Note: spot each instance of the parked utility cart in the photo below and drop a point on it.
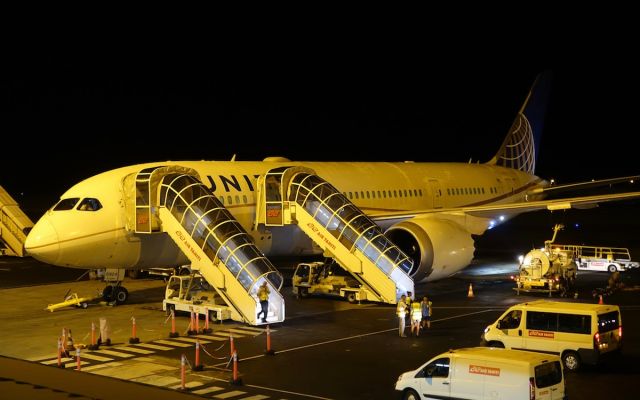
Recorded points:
(327, 278)
(192, 293)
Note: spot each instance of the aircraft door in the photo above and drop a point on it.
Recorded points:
(436, 193)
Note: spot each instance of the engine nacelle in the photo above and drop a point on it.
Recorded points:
(439, 248)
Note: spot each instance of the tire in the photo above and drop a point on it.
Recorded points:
(496, 344)
(184, 271)
(571, 361)
(213, 316)
(612, 268)
(410, 394)
(304, 292)
(121, 296)
(351, 297)
(170, 307)
(107, 293)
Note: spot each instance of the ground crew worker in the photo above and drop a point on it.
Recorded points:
(408, 301)
(263, 296)
(401, 310)
(416, 317)
(426, 312)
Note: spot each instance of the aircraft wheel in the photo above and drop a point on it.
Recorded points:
(122, 294)
(107, 293)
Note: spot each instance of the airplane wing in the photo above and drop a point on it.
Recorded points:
(551, 190)
(491, 210)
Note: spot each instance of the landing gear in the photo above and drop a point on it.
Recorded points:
(115, 293)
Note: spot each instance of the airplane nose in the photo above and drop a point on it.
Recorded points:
(42, 242)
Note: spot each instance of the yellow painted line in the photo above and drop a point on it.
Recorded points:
(191, 340)
(172, 343)
(74, 364)
(55, 361)
(94, 357)
(226, 334)
(208, 390)
(114, 353)
(245, 332)
(107, 365)
(163, 381)
(250, 328)
(187, 385)
(154, 346)
(134, 350)
(229, 394)
(219, 339)
(256, 397)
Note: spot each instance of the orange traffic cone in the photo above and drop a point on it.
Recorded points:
(470, 292)
(600, 300)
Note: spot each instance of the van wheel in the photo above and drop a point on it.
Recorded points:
(612, 268)
(499, 345)
(571, 360)
(411, 394)
(351, 297)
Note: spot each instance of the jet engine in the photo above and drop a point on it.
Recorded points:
(439, 247)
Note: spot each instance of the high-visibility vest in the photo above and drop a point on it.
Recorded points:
(416, 310)
(401, 309)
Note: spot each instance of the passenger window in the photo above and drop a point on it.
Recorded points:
(368, 197)
(238, 199)
(66, 204)
(229, 200)
(89, 204)
(573, 323)
(244, 198)
(608, 321)
(543, 321)
(437, 369)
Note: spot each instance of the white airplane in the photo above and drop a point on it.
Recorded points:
(428, 210)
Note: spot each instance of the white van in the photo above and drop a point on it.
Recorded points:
(485, 373)
(577, 332)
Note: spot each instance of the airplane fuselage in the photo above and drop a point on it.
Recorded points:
(104, 239)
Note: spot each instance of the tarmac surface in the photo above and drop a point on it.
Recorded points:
(326, 348)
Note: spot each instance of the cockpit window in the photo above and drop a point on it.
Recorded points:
(89, 204)
(66, 204)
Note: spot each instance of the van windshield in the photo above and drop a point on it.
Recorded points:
(548, 374)
(608, 321)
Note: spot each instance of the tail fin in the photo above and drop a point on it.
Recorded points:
(520, 148)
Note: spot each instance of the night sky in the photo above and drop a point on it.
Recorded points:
(100, 111)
